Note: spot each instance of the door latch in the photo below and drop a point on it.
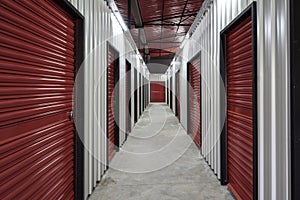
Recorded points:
(71, 116)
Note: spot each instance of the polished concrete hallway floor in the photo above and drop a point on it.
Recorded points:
(159, 161)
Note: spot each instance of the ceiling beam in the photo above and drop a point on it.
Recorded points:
(173, 17)
(136, 13)
(165, 24)
(164, 50)
(175, 35)
(185, 18)
(139, 23)
(129, 14)
(185, 5)
(163, 42)
(162, 19)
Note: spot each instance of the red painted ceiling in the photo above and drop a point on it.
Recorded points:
(166, 23)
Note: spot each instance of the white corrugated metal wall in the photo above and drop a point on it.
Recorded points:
(273, 88)
(102, 27)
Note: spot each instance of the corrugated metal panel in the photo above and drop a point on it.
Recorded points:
(239, 109)
(37, 79)
(101, 27)
(194, 100)
(273, 80)
(157, 92)
(273, 39)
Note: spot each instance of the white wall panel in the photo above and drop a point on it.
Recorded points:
(273, 99)
(273, 88)
(101, 27)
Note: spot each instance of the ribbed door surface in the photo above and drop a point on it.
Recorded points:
(157, 92)
(194, 101)
(239, 110)
(111, 103)
(37, 79)
(178, 95)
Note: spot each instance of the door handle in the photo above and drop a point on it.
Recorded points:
(71, 116)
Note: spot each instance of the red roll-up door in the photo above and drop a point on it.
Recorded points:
(157, 92)
(194, 100)
(37, 79)
(239, 110)
(178, 95)
(112, 78)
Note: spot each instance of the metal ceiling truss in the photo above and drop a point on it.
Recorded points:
(173, 17)
(204, 8)
(157, 18)
(162, 19)
(186, 2)
(164, 24)
(171, 36)
(135, 8)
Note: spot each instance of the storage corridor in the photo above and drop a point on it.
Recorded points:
(149, 99)
(176, 172)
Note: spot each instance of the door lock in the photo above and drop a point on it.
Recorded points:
(71, 116)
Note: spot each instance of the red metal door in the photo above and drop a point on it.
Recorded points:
(37, 79)
(239, 110)
(158, 92)
(112, 111)
(194, 100)
(178, 95)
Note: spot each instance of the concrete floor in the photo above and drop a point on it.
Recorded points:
(159, 161)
